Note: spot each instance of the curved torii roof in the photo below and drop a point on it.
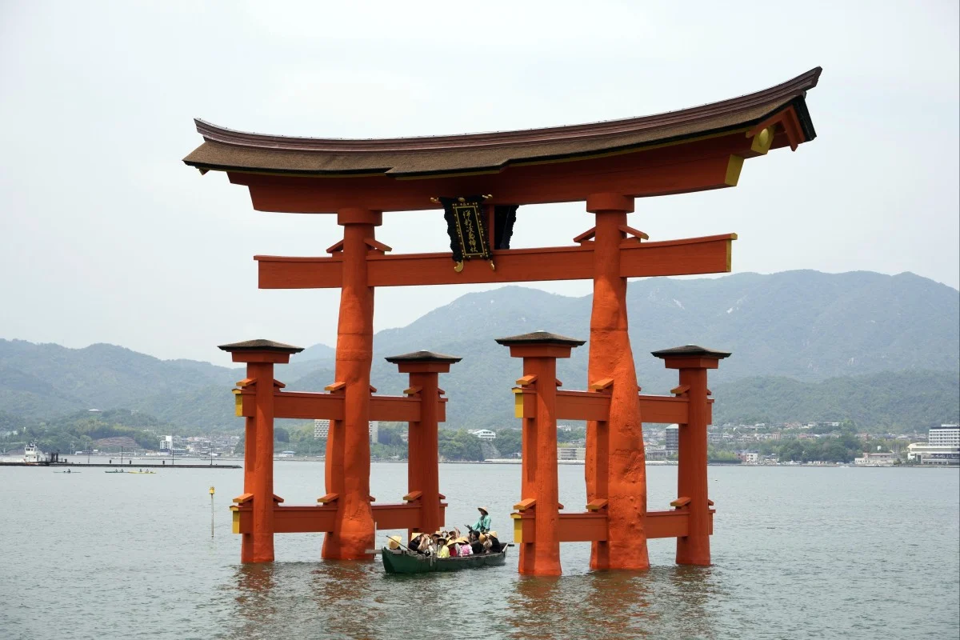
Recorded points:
(682, 151)
(236, 151)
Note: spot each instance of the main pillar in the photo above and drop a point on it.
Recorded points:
(615, 465)
(693, 362)
(540, 350)
(260, 356)
(423, 469)
(348, 443)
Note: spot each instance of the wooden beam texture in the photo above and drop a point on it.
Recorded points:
(592, 527)
(306, 406)
(590, 405)
(320, 519)
(688, 256)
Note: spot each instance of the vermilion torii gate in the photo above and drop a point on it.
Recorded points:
(606, 165)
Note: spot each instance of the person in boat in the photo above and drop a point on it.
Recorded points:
(484, 522)
(393, 543)
(444, 551)
(476, 543)
(464, 549)
(492, 543)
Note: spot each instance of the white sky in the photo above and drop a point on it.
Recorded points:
(105, 236)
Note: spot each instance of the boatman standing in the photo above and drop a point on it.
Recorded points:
(484, 522)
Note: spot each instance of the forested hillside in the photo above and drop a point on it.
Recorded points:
(806, 346)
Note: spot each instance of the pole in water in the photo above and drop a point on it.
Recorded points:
(211, 512)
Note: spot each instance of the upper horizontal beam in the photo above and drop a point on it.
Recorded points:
(689, 256)
(665, 171)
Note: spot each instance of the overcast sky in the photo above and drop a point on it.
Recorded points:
(105, 236)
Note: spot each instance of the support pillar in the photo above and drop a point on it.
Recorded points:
(539, 488)
(615, 466)
(423, 470)
(693, 362)
(249, 464)
(260, 356)
(348, 447)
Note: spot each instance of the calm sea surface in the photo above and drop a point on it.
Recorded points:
(798, 552)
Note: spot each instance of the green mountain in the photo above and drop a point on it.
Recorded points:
(898, 401)
(806, 346)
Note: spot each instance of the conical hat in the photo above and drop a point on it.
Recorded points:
(393, 542)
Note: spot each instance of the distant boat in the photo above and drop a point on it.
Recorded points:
(141, 472)
(115, 471)
(33, 455)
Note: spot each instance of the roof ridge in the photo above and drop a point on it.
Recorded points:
(782, 92)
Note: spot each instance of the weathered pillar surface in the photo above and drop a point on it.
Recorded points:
(693, 362)
(611, 357)
(540, 351)
(423, 472)
(260, 356)
(353, 533)
(249, 463)
(263, 470)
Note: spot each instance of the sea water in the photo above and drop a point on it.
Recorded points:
(797, 552)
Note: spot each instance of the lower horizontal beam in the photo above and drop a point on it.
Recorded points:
(306, 406)
(593, 527)
(321, 519)
(689, 256)
(590, 405)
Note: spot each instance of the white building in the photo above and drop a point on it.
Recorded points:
(946, 435)
(673, 438)
(483, 434)
(876, 459)
(571, 453)
(321, 429)
(749, 457)
(933, 454)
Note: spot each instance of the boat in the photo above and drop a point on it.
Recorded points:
(143, 473)
(33, 455)
(401, 561)
(115, 471)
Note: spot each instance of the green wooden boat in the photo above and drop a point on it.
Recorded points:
(400, 561)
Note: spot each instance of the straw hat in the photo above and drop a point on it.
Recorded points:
(494, 534)
(461, 541)
(483, 537)
(393, 542)
(484, 509)
(415, 536)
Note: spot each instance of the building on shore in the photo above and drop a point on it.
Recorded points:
(673, 439)
(654, 452)
(942, 447)
(571, 453)
(875, 459)
(483, 434)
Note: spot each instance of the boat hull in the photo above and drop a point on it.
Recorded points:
(397, 561)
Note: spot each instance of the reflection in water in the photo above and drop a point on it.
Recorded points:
(612, 604)
(341, 594)
(255, 584)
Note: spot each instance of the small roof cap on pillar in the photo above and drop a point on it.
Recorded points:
(423, 356)
(540, 337)
(690, 350)
(260, 345)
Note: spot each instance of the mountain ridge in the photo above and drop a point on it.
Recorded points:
(803, 325)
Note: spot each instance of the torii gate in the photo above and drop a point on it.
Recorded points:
(606, 165)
